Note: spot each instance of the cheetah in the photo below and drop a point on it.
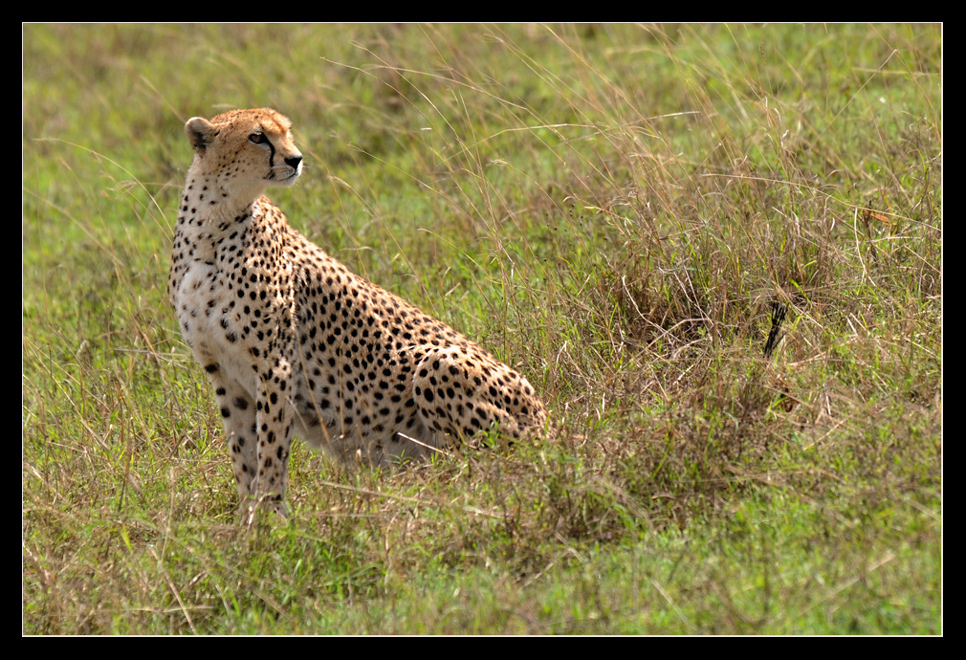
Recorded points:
(296, 344)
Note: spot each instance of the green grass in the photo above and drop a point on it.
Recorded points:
(612, 209)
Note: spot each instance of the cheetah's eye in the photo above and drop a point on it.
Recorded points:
(258, 138)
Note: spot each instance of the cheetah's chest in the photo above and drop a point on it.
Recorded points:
(211, 316)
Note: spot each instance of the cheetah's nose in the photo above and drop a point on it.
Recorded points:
(293, 161)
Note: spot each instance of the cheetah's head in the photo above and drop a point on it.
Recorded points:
(245, 151)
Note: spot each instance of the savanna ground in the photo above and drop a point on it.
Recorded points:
(618, 211)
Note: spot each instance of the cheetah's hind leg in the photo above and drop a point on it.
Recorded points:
(461, 398)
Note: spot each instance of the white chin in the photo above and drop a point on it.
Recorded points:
(287, 181)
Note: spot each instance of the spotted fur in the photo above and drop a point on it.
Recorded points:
(295, 343)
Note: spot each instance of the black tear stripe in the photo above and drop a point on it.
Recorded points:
(271, 158)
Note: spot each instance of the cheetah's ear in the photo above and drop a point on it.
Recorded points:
(200, 132)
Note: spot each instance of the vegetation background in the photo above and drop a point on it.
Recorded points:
(622, 212)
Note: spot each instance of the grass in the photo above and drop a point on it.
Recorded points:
(616, 210)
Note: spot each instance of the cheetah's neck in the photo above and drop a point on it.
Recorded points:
(209, 204)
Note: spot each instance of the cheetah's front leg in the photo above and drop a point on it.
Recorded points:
(275, 418)
(238, 417)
